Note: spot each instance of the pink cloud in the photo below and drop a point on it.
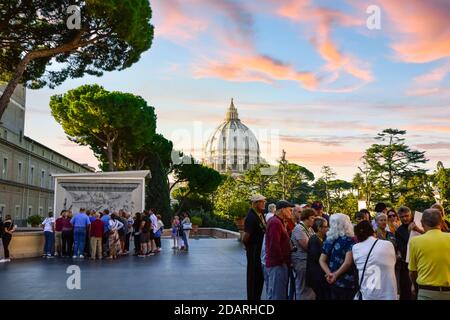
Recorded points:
(174, 22)
(255, 67)
(431, 83)
(322, 21)
(422, 27)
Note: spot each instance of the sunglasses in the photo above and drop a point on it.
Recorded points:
(391, 216)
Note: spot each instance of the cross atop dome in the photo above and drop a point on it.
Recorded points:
(232, 113)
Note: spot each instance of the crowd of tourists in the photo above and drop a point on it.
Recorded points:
(103, 234)
(300, 252)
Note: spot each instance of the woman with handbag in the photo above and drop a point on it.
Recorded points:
(187, 227)
(375, 260)
(7, 232)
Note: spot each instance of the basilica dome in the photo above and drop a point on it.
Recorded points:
(232, 147)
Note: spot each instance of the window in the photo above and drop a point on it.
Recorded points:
(5, 168)
(17, 212)
(42, 178)
(41, 211)
(30, 209)
(32, 147)
(43, 152)
(50, 209)
(20, 136)
(2, 209)
(31, 179)
(49, 180)
(6, 134)
(52, 157)
(19, 171)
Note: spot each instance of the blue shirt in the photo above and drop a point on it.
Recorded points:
(335, 250)
(81, 220)
(105, 220)
(92, 219)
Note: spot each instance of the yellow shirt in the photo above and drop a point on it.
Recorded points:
(429, 255)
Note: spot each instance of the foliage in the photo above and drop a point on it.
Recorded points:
(197, 220)
(115, 125)
(231, 198)
(35, 220)
(210, 220)
(34, 34)
(391, 161)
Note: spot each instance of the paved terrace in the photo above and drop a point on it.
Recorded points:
(212, 269)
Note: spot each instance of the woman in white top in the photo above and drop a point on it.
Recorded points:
(49, 228)
(378, 282)
(114, 244)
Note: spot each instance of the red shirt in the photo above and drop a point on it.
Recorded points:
(59, 224)
(278, 248)
(97, 228)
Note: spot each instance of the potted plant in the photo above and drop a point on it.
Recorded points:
(35, 220)
(196, 223)
(239, 210)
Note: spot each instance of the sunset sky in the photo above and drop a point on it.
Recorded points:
(308, 76)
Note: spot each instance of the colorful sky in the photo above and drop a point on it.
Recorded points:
(307, 76)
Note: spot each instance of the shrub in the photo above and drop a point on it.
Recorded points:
(197, 220)
(211, 220)
(35, 220)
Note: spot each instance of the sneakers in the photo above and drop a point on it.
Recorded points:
(74, 257)
(81, 256)
(141, 255)
(5, 260)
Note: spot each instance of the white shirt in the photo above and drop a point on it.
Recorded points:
(115, 224)
(48, 224)
(379, 281)
(154, 221)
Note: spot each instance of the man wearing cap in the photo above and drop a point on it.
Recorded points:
(254, 229)
(278, 250)
(318, 206)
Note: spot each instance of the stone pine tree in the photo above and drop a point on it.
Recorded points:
(101, 36)
(113, 124)
(392, 160)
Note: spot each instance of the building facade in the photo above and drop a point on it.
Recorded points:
(232, 147)
(26, 166)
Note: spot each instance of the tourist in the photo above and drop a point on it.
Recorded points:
(58, 233)
(254, 229)
(270, 211)
(360, 216)
(393, 222)
(318, 206)
(382, 231)
(429, 259)
(175, 235)
(122, 231)
(6, 235)
(114, 241)
(145, 235)
(81, 225)
(375, 260)
(278, 251)
(186, 226)
(336, 259)
(367, 214)
(49, 232)
(402, 239)
(105, 239)
(130, 223)
(315, 276)
(263, 258)
(159, 233)
(67, 235)
(380, 208)
(96, 237)
(137, 233)
(445, 224)
(300, 237)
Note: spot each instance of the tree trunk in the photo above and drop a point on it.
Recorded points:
(12, 84)
(109, 154)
